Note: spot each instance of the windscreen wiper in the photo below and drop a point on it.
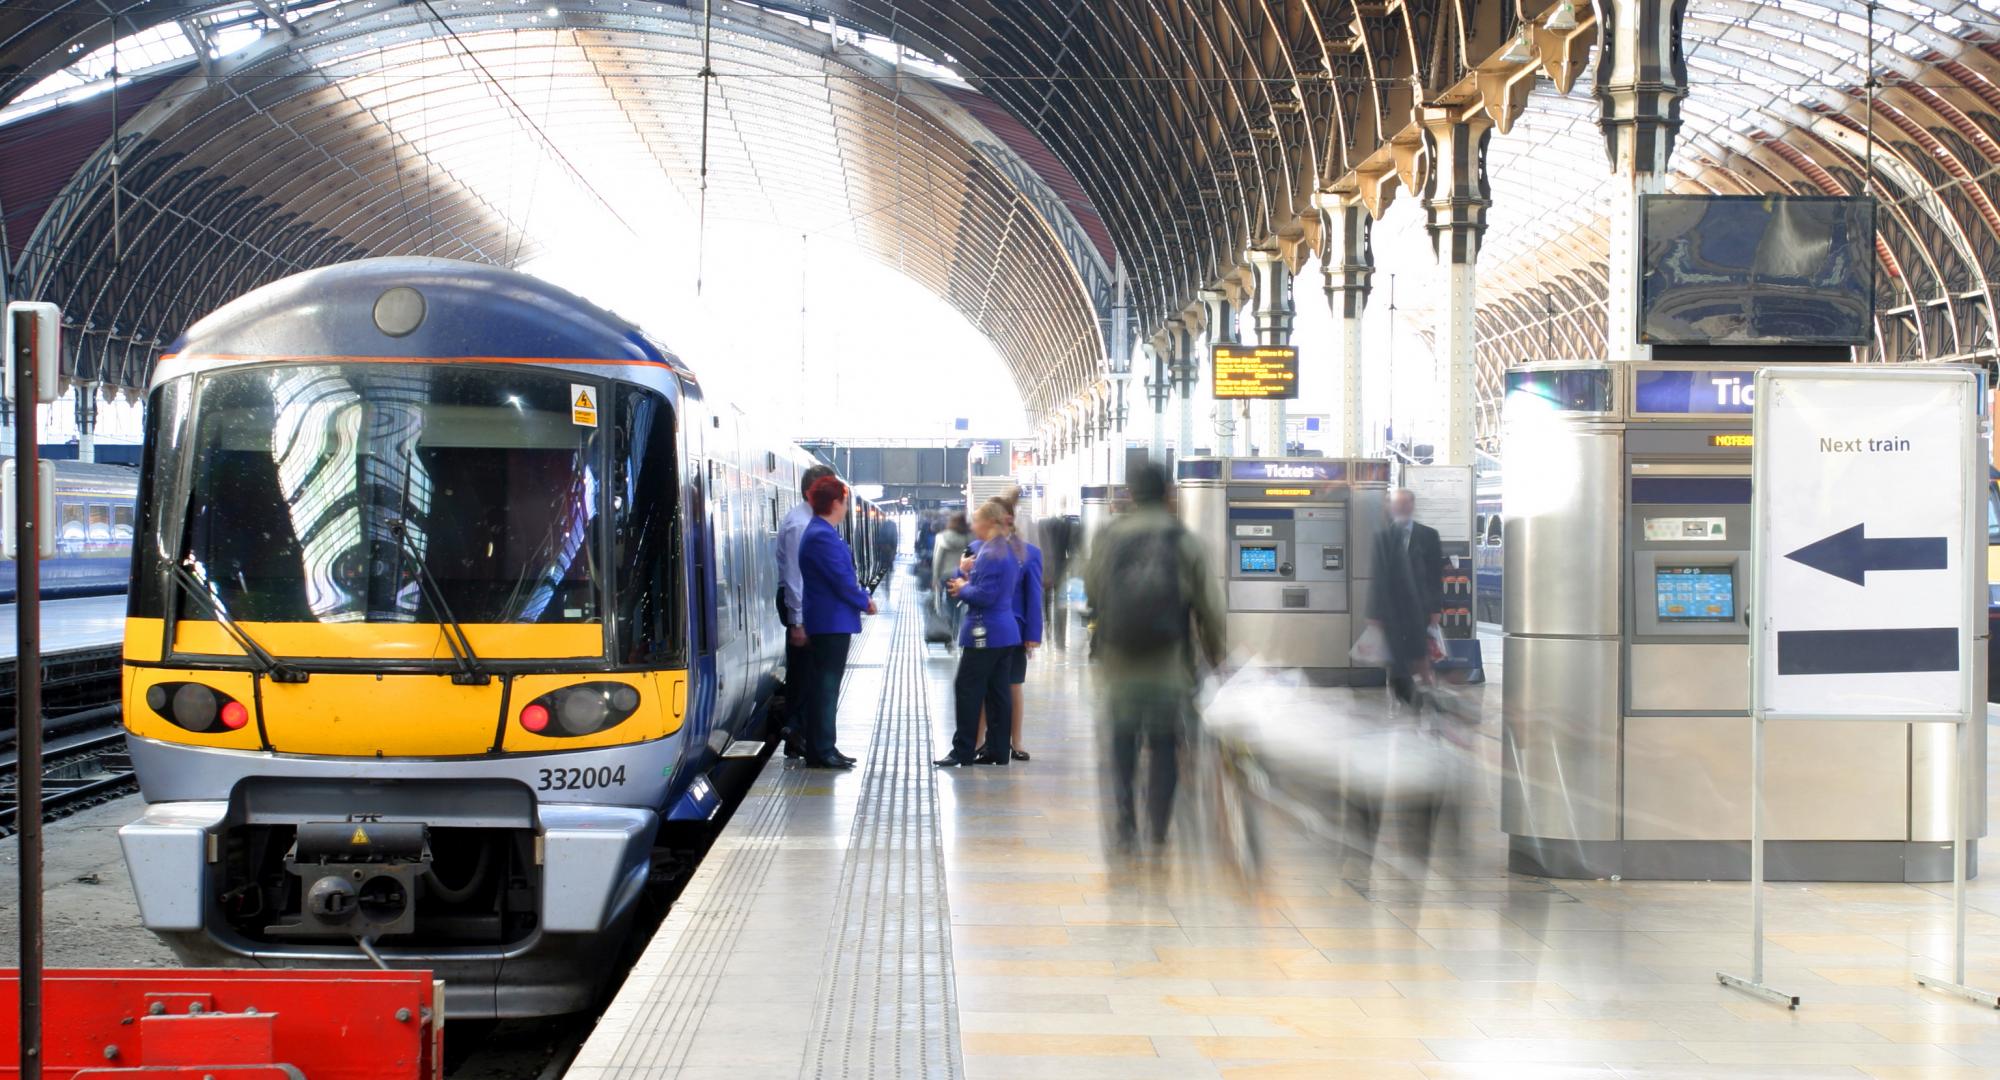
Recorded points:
(470, 673)
(276, 669)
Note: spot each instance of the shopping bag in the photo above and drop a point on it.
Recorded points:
(1436, 643)
(1371, 649)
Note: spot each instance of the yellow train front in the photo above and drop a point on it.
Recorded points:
(448, 590)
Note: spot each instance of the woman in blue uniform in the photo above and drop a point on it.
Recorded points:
(987, 642)
(834, 603)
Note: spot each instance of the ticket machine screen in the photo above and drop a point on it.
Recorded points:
(1257, 559)
(1694, 594)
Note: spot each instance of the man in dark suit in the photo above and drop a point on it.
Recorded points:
(1407, 593)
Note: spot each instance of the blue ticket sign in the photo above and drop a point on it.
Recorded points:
(1287, 470)
(1695, 392)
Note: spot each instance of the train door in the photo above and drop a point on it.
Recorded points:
(703, 658)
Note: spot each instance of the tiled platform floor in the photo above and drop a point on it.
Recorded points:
(1067, 964)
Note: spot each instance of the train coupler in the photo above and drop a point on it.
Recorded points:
(357, 879)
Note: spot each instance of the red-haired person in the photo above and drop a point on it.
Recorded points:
(834, 603)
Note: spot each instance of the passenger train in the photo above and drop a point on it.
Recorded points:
(93, 533)
(450, 592)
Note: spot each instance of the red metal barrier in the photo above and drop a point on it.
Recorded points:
(214, 1024)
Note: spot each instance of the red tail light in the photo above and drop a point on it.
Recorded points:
(535, 717)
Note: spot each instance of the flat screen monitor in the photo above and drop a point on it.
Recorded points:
(1757, 270)
(1684, 594)
(1257, 559)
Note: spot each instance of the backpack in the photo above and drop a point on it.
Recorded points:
(1146, 608)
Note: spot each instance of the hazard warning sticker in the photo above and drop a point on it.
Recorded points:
(582, 405)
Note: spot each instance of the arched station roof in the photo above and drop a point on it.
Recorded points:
(376, 128)
(1778, 102)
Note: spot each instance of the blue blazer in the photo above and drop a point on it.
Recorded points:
(1028, 598)
(834, 601)
(989, 597)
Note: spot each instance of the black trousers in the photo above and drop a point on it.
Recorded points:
(799, 690)
(982, 681)
(828, 666)
(1157, 722)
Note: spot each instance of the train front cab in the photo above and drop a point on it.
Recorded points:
(406, 664)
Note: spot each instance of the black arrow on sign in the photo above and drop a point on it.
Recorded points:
(1867, 652)
(1850, 554)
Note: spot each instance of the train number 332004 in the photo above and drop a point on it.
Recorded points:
(581, 779)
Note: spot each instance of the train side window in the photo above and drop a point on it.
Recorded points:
(646, 601)
(159, 495)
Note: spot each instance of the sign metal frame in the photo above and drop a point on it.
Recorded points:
(1971, 627)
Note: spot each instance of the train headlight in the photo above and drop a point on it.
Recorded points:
(583, 709)
(197, 707)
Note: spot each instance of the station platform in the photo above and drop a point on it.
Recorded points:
(85, 622)
(903, 921)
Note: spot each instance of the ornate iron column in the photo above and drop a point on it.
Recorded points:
(1347, 259)
(1640, 80)
(86, 420)
(1219, 317)
(1272, 315)
(1456, 196)
(1157, 390)
(1182, 368)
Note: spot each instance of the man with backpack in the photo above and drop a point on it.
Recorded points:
(1158, 613)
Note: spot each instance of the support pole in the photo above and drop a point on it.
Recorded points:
(1273, 315)
(28, 678)
(1456, 196)
(1347, 261)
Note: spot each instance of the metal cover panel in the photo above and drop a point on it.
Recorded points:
(1691, 678)
(1688, 778)
(1293, 639)
(1559, 738)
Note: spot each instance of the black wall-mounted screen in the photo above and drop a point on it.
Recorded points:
(1757, 270)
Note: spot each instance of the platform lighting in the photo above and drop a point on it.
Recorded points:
(1562, 18)
(1521, 50)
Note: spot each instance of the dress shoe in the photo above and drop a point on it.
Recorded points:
(830, 763)
(1020, 755)
(950, 760)
(989, 759)
(850, 762)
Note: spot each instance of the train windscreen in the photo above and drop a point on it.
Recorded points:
(317, 493)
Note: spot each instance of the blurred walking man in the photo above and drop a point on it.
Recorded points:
(1407, 593)
(1158, 613)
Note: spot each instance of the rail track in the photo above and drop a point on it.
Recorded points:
(84, 763)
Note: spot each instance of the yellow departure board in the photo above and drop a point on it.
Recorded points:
(1256, 371)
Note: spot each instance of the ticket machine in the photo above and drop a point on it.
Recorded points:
(1288, 538)
(1626, 743)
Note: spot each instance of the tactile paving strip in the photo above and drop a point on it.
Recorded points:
(887, 1006)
